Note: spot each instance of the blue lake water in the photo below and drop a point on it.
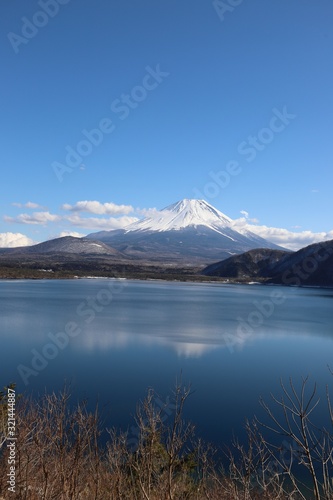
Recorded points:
(113, 339)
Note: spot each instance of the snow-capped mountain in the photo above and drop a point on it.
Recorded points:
(190, 231)
(182, 214)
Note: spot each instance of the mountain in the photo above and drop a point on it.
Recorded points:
(183, 214)
(249, 265)
(66, 244)
(62, 258)
(189, 231)
(311, 266)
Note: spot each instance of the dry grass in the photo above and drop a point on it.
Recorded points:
(58, 455)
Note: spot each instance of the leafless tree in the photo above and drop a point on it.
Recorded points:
(310, 447)
(59, 455)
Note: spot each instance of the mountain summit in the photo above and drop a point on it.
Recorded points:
(189, 231)
(183, 214)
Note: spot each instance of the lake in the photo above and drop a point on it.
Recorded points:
(112, 339)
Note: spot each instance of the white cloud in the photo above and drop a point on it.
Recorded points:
(11, 240)
(283, 237)
(32, 205)
(100, 223)
(246, 216)
(95, 207)
(149, 212)
(35, 218)
(70, 233)
(74, 218)
(29, 204)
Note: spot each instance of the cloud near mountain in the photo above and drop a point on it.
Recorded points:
(283, 237)
(38, 218)
(120, 216)
(95, 207)
(69, 233)
(100, 223)
(12, 240)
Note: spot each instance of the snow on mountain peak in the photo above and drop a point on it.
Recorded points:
(184, 213)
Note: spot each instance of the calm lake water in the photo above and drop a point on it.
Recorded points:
(113, 339)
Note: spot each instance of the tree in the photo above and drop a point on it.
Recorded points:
(309, 447)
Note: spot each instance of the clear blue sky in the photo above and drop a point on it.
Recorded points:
(221, 77)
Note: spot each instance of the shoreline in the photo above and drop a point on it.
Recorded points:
(185, 279)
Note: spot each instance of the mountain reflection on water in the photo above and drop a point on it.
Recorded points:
(232, 342)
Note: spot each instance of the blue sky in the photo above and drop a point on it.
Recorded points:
(152, 102)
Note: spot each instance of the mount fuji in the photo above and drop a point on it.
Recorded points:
(189, 231)
(183, 214)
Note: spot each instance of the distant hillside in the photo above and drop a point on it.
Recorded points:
(251, 264)
(66, 244)
(312, 266)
